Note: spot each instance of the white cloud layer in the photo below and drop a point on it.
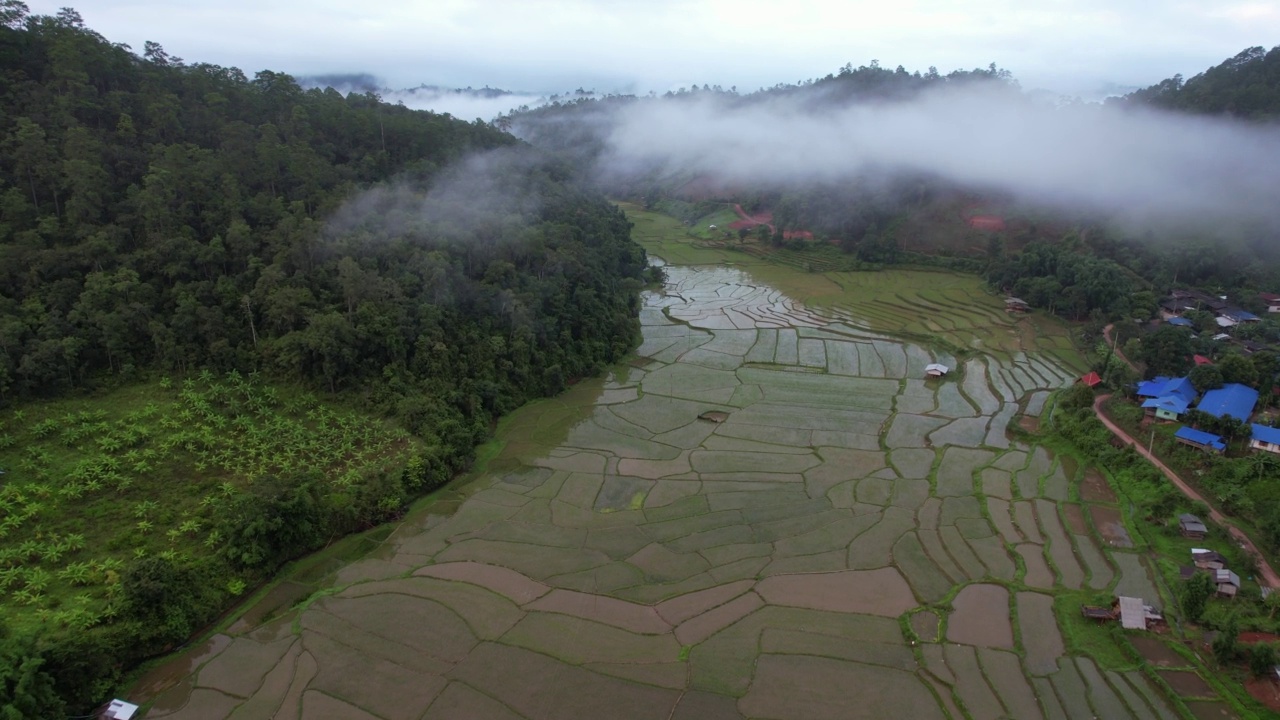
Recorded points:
(1070, 46)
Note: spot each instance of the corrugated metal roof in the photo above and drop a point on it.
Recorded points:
(1133, 616)
(1200, 437)
(1266, 434)
(1231, 399)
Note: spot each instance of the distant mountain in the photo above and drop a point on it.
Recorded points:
(1245, 86)
(484, 103)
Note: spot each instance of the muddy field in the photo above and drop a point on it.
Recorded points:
(739, 524)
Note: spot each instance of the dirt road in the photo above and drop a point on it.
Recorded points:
(1269, 577)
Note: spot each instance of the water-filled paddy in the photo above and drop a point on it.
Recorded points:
(739, 524)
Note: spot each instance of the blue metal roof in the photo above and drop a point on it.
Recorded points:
(1172, 403)
(1153, 387)
(1200, 437)
(1239, 315)
(1231, 399)
(1180, 322)
(1266, 434)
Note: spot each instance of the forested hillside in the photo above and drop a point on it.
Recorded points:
(197, 235)
(1247, 86)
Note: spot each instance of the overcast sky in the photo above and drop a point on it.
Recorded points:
(1068, 46)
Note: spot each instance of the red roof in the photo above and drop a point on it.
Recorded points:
(1269, 297)
(1201, 360)
(1091, 379)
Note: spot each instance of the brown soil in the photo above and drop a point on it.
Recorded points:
(1110, 525)
(1187, 683)
(1202, 710)
(508, 583)
(610, 611)
(1156, 652)
(1029, 423)
(1095, 487)
(1257, 637)
(981, 617)
(925, 625)
(872, 592)
(1265, 691)
(1075, 519)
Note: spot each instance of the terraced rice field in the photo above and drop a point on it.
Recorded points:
(769, 514)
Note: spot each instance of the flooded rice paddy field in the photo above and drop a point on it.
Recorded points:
(769, 514)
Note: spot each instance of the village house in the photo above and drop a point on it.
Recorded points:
(936, 370)
(1207, 559)
(1266, 439)
(1014, 304)
(1272, 300)
(1192, 526)
(1233, 399)
(1200, 440)
(1091, 380)
(1166, 398)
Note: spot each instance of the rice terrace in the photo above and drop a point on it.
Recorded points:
(770, 512)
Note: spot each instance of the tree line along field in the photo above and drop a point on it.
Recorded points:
(147, 471)
(767, 513)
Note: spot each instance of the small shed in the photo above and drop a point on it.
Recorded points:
(1200, 440)
(1097, 612)
(1014, 304)
(1201, 360)
(936, 369)
(1192, 527)
(1133, 614)
(119, 710)
(1180, 322)
(1208, 559)
(1227, 581)
(1092, 379)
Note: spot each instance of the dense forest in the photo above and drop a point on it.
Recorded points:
(159, 217)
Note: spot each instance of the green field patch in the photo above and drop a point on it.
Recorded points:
(955, 472)
(869, 592)
(1038, 631)
(965, 432)
(1038, 574)
(715, 461)
(1153, 697)
(376, 685)
(874, 491)
(999, 512)
(825, 538)
(1100, 573)
(660, 564)
(1024, 516)
(842, 358)
(703, 357)
(996, 483)
(930, 583)
(543, 688)
(622, 493)
(971, 687)
(240, 669)
(1137, 703)
(1135, 578)
(606, 578)
(816, 688)
(1053, 709)
(981, 617)
(460, 701)
(1103, 699)
(1061, 552)
(530, 560)
(962, 553)
(937, 552)
(1004, 672)
(991, 551)
(782, 641)
(910, 431)
(1056, 484)
(955, 508)
(486, 613)
(787, 351)
(560, 636)
(545, 535)
(872, 548)
(729, 535)
(951, 404)
(590, 436)
(1027, 480)
(997, 433)
(910, 493)
(812, 353)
